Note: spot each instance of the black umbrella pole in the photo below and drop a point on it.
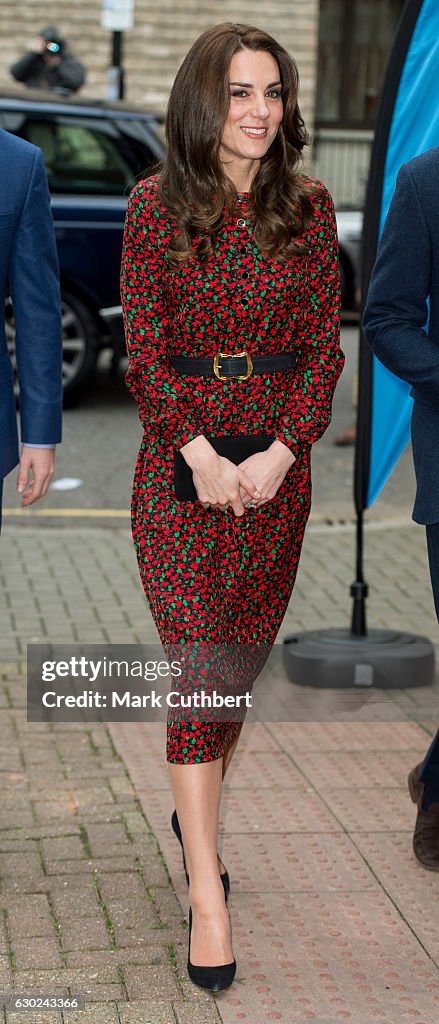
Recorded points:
(117, 50)
(359, 589)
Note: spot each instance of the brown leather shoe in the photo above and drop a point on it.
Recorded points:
(347, 438)
(426, 834)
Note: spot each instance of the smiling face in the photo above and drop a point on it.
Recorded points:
(254, 116)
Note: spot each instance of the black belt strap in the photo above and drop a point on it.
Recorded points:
(233, 366)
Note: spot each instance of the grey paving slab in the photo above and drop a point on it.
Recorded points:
(203, 1014)
(146, 1011)
(46, 1017)
(98, 1013)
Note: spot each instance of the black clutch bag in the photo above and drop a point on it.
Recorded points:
(235, 447)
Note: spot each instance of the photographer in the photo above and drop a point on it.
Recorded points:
(49, 64)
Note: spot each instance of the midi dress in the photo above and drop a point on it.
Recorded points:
(210, 576)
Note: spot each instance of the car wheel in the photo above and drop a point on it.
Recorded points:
(80, 345)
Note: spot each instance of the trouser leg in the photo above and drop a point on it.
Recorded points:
(429, 773)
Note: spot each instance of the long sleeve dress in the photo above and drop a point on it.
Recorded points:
(210, 576)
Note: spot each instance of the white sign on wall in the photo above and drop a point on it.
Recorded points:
(117, 15)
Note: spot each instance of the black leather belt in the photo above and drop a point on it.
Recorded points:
(240, 365)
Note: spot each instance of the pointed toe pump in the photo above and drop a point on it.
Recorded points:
(213, 978)
(176, 828)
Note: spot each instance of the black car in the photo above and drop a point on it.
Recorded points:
(350, 227)
(94, 152)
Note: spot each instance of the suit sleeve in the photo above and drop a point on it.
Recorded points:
(164, 399)
(34, 283)
(396, 310)
(320, 360)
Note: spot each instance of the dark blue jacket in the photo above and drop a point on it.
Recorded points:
(405, 275)
(29, 273)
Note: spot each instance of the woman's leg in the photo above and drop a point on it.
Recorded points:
(226, 759)
(197, 794)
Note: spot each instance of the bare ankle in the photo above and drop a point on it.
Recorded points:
(207, 900)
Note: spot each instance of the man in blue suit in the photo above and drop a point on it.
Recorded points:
(29, 273)
(405, 276)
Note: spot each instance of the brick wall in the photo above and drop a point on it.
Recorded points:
(164, 30)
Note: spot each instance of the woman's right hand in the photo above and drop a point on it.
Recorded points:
(218, 482)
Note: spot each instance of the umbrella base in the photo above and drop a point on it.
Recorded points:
(336, 658)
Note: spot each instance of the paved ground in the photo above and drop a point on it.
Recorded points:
(334, 922)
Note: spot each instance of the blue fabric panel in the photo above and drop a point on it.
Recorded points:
(414, 129)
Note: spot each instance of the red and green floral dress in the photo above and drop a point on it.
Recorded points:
(211, 577)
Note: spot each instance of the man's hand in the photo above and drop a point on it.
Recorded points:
(37, 466)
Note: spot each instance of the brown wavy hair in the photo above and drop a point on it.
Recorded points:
(192, 184)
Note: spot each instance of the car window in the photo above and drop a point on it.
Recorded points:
(84, 155)
(144, 141)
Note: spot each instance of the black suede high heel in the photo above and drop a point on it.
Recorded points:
(213, 978)
(176, 828)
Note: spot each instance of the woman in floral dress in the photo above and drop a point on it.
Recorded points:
(228, 249)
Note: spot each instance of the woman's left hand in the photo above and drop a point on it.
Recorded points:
(268, 470)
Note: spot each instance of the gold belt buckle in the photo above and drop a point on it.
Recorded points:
(237, 376)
